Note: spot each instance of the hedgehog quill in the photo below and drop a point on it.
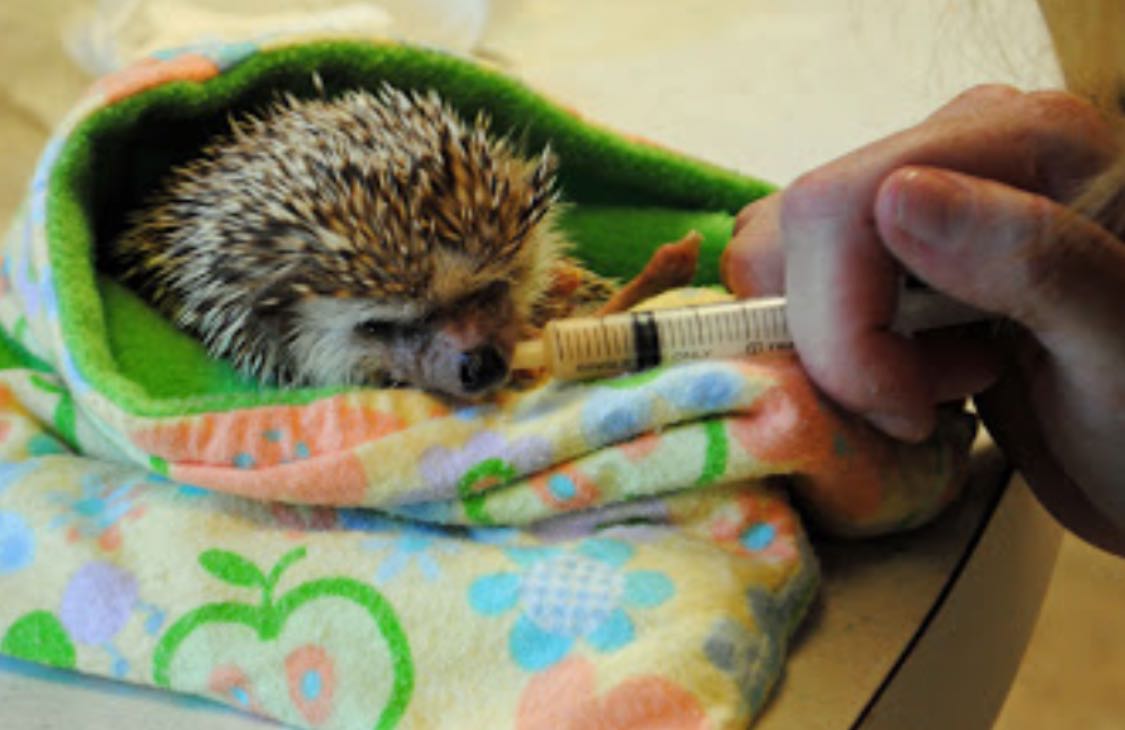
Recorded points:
(371, 239)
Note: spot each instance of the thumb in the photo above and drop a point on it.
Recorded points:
(1006, 251)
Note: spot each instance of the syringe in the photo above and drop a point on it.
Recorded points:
(593, 347)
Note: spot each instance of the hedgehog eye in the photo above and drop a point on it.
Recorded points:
(376, 328)
(492, 294)
(384, 330)
(496, 290)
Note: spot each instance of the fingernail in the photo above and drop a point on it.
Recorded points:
(901, 427)
(930, 206)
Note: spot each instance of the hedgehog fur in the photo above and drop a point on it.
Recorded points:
(338, 241)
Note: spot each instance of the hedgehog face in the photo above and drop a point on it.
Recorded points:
(461, 349)
(452, 332)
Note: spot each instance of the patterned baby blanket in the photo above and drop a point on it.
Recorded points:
(614, 554)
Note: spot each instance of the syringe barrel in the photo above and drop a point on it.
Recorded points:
(590, 347)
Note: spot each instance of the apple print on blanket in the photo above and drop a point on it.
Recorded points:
(293, 657)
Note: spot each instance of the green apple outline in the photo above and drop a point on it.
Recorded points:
(269, 618)
(473, 501)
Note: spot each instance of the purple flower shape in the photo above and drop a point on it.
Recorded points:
(487, 456)
(97, 602)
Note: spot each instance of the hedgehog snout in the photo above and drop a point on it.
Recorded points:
(468, 355)
(481, 368)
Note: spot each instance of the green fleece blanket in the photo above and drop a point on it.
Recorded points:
(614, 554)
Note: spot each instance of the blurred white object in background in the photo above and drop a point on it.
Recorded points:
(114, 33)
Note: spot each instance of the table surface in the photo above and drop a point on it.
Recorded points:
(764, 86)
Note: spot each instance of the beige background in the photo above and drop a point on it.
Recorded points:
(768, 87)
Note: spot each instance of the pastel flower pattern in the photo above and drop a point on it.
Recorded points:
(702, 388)
(17, 543)
(566, 697)
(565, 489)
(99, 600)
(409, 544)
(97, 512)
(758, 523)
(614, 415)
(309, 452)
(485, 460)
(13, 472)
(751, 659)
(567, 595)
(269, 436)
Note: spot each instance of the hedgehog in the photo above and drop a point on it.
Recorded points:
(374, 238)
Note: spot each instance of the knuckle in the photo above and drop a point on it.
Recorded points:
(735, 265)
(809, 195)
(1062, 119)
(744, 217)
(737, 268)
(988, 93)
(1066, 139)
(976, 100)
(728, 259)
(1053, 103)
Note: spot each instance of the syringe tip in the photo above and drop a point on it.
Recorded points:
(529, 355)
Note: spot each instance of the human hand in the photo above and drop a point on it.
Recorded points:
(969, 201)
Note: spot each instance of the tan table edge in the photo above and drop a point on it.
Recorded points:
(957, 669)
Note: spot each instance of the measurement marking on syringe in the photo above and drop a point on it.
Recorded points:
(745, 321)
(620, 343)
(762, 325)
(676, 333)
(754, 323)
(559, 347)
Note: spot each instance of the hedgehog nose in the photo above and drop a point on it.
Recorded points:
(481, 368)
